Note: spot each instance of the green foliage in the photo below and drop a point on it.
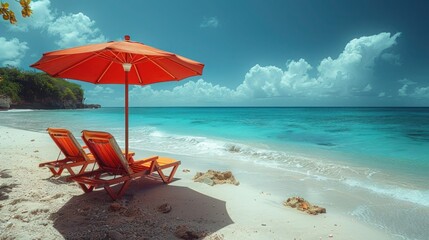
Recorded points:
(9, 15)
(33, 87)
(10, 89)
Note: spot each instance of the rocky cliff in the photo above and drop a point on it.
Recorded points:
(4, 102)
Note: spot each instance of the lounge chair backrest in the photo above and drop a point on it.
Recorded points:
(106, 152)
(67, 144)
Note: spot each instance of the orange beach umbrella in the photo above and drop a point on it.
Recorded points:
(118, 62)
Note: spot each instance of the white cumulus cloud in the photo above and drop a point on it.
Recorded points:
(100, 90)
(40, 18)
(74, 30)
(262, 82)
(406, 81)
(368, 88)
(42, 15)
(417, 92)
(69, 29)
(421, 92)
(12, 51)
(391, 58)
(403, 90)
(211, 22)
(349, 74)
(352, 69)
(191, 93)
(271, 81)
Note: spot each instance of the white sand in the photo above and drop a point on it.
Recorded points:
(41, 207)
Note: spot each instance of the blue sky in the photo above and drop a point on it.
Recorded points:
(257, 53)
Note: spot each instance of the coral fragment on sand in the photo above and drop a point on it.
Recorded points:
(302, 205)
(164, 208)
(184, 232)
(212, 177)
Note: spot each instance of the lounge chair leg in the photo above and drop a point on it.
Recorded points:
(170, 178)
(56, 173)
(71, 171)
(82, 170)
(121, 191)
(85, 188)
(167, 179)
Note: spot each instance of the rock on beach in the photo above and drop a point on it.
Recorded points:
(212, 178)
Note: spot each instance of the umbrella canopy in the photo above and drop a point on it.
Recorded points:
(118, 62)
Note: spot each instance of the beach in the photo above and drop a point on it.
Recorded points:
(290, 120)
(39, 206)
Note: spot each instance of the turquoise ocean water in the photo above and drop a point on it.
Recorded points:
(381, 151)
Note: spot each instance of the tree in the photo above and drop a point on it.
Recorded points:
(9, 15)
(34, 89)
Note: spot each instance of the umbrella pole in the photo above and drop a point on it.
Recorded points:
(126, 115)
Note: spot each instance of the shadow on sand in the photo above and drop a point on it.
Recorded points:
(136, 215)
(58, 180)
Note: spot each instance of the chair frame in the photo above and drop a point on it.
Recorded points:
(72, 157)
(89, 181)
(114, 169)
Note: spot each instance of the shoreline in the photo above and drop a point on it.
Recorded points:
(250, 211)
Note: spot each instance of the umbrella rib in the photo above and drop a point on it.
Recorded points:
(138, 75)
(118, 55)
(147, 58)
(104, 72)
(165, 70)
(115, 56)
(122, 57)
(131, 56)
(72, 66)
(184, 66)
(141, 59)
(50, 60)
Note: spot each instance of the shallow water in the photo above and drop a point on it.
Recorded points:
(381, 152)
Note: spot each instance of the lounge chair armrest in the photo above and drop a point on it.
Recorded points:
(56, 162)
(151, 159)
(130, 153)
(130, 157)
(86, 150)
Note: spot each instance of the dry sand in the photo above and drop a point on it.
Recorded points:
(34, 205)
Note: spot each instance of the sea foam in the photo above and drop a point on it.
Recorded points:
(317, 168)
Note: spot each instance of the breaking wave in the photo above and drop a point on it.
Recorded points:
(150, 138)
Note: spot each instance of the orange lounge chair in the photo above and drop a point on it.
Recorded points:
(74, 154)
(114, 169)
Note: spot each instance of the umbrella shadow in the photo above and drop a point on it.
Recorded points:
(137, 214)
